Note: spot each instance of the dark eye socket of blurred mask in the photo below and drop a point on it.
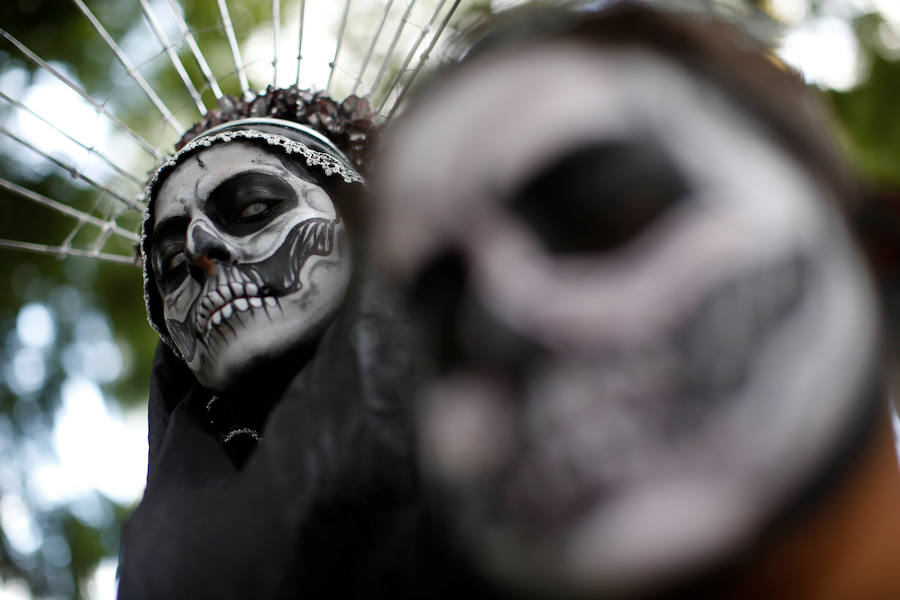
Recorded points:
(455, 327)
(736, 63)
(600, 197)
(436, 294)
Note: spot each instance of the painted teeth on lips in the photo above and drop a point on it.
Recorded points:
(224, 302)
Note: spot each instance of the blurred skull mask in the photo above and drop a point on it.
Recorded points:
(644, 322)
(250, 258)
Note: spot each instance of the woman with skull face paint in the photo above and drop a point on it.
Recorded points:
(247, 259)
(648, 346)
(279, 453)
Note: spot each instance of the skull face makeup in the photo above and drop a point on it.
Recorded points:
(644, 323)
(250, 256)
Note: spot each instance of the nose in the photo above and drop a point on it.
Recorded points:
(204, 249)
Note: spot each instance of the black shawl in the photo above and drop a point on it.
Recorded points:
(326, 505)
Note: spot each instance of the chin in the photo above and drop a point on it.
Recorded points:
(248, 335)
(248, 341)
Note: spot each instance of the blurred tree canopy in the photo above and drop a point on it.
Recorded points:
(53, 549)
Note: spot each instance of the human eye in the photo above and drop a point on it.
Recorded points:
(254, 209)
(171, 267)
(247, 202)
(174, 261)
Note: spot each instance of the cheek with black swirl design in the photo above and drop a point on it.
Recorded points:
(279, 274)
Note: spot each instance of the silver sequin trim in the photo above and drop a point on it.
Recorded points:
(236, 432)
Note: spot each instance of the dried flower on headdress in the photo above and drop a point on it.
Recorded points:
(349, 124)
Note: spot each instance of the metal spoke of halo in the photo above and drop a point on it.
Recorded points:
(233, 44)
(340, 41)
(195, 50)
(368, 57)
(173, 57)
(422, 59)
(99, 107)
(129, 68)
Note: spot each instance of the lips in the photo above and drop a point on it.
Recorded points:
(221, 303)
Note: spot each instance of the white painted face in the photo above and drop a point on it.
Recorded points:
(645, 324)
(251, 260)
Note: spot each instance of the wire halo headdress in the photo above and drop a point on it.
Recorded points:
(376, 50)
(369, 49)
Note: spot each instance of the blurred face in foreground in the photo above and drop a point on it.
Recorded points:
(644, 323)
(250, 258)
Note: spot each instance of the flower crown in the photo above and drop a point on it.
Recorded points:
(349, 125)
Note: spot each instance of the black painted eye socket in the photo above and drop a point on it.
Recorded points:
(599, 198)
(247, 202)
(167, 252)
(170, 266)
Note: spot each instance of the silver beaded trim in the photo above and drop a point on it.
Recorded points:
(329, 164)
(242, 431)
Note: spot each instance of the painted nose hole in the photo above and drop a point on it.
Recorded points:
(204, 251)
(204, 244)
